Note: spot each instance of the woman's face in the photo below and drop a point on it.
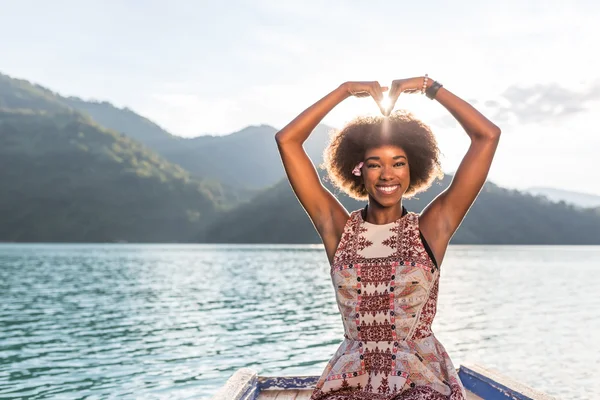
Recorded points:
(386, 174)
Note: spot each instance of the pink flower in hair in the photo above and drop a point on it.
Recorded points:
(356, 171)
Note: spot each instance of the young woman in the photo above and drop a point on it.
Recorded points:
(385, 261)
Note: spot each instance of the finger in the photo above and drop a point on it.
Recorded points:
(378, 97)
(361, 92)
(392, 96)
(377, 90)
(378, 100)
(377, 94)
(393, 91)
(395, 94)
(393, 101)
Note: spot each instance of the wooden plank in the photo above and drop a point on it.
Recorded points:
(279, 394)
(268, 394)
(471, 396)
(287, 395)
(304, 394)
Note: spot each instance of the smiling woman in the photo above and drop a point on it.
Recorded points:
(385, 261)
(372, 135)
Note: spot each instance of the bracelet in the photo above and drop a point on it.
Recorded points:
(424, 84)
(433, 89)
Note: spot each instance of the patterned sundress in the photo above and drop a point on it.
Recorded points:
(386, 285)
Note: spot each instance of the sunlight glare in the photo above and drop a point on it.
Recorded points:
(386, 103)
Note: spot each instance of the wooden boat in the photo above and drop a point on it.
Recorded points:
(480, 383)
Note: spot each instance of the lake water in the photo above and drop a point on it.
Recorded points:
(175, 321)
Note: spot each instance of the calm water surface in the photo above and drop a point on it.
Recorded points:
(175, 321)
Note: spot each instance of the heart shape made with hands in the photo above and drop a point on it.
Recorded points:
(386, 103)
(398, 87)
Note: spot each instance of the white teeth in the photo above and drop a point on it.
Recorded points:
(387, 189)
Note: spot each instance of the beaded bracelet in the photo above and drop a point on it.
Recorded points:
(424, 84)
(433, 89)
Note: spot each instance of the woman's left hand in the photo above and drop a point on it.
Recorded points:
(409, 85)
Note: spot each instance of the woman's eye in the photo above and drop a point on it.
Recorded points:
(372, 165)
(399, 164)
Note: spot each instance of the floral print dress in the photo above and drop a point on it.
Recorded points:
(386, 285)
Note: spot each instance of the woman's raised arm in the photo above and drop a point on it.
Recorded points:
(326, 213)
(442, 217)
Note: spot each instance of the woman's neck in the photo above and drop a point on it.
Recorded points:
(379, 215)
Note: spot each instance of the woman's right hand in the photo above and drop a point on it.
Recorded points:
(364, 89)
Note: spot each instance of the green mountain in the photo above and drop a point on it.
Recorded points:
(129, 123)
(499, 216)
(21, 94)
(64, 178)
(242, 161)
(246, 159)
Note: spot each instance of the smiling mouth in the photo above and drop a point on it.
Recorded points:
(387, 189)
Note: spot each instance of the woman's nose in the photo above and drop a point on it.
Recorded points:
(386, 173)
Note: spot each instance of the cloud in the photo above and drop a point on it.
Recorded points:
(445, 121)
(190, 115)
(541, 103)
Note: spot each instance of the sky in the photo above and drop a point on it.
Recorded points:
(198, 67)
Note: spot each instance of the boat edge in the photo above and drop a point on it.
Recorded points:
(242, 385)
(490, 384)
(245, 384)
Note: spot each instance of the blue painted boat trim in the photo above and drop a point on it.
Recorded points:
(288, 382)
(251, 393)
(485, 387)
(489, 384)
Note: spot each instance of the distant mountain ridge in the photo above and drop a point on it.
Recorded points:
(499, 216)
(252, 149)
(67, 176)
(127, 122)
(579, 199)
